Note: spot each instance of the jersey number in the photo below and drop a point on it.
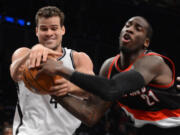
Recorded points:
(150, 98)
(53, 101)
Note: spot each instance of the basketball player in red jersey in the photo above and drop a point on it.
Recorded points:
(140, 80)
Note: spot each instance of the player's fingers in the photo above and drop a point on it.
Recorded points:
(54, 53)
(32, 60)
(60, 81)
(54, 91)
(38, 58)
(45, 55)
(58, 87)
(62, 92)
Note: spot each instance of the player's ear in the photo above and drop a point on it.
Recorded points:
(63, 30)
(146, 43)
(36, 29)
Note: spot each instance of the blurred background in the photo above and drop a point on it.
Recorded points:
(92, 26)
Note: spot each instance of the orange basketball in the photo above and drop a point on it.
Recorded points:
(40, 85)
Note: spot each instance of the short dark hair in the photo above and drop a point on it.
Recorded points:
(50, 11)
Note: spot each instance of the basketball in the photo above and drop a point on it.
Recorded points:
(40, 85)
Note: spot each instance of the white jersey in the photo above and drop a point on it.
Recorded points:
(40, 114)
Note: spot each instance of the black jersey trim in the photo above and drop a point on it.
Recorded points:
(173, 72)
(111, 66)
(130, 66)
(72, 59)
(64, 53)
(20, 115)
(146, 53)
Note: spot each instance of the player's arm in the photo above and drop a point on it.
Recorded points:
(89, 111)
(82, 64)
(18, 59)
(147, 69)
(154, 70)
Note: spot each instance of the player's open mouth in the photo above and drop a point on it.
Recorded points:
(126, 37)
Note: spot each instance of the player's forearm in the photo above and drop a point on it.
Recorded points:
(84, 110)
(112, 89)
(75, 90)
(108, 89)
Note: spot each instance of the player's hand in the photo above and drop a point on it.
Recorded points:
(61, 87)
(178, 85)
(50, 67)
(40, 53)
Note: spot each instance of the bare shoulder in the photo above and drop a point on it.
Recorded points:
(18, 58)
(154, 69)
(151, 62)
(82, 62)
(80, 55)
(20, 52)
(105, 66)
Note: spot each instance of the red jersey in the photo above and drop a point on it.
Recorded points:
(153, 104)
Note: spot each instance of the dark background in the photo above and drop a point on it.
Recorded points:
(92, 26)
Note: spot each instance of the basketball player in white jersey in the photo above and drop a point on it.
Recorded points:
(40, 114)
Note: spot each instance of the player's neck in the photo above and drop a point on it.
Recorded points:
(127, 59)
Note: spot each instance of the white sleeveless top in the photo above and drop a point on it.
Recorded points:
(40, 114)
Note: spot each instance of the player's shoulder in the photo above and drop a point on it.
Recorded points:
(153, 62)
(108, 62)
(105, 66)
(81, 58)
(80, 55)
(153, 58)
(20, 52)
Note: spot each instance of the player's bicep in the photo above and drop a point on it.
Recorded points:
(149, 67)
(83, 63)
